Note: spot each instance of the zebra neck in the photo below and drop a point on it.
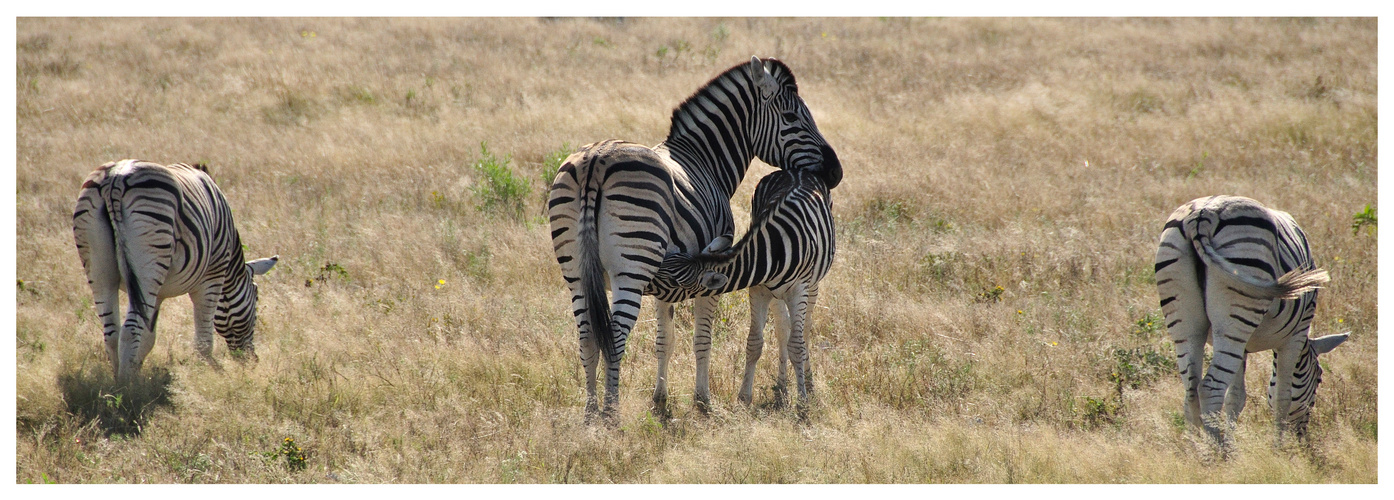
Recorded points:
(710, 132)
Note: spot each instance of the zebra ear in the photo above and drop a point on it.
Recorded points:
(763, 79)
(261, 266)
(713, 280)
(720, 243)
(1323, 345)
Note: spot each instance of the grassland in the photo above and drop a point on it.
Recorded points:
(991, 316)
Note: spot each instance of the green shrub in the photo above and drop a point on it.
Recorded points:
(498, 190)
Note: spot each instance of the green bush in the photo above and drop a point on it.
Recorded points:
(498, 190)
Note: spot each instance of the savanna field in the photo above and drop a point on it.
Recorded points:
(991, 316)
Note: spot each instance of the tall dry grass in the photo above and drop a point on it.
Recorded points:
(991, 316)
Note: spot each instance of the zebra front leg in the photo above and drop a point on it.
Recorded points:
(663, 351)
(755, 341)
(205, 308)
(1280, 390)
(703, 310)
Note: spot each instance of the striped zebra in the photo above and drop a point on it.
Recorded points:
(618, 208)
(160, 232)
(1240, 276)
(783, 255)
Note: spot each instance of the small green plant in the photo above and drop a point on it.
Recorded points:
(991, 295)
(1199, 165)
(601, 41)
(1149, 325)
(551, 162)
(1139, 366)
(721, 33)
(295, 458)
(1364, 218)
(1099, 411)
(662, 51)
(497, 189)
(329, 271)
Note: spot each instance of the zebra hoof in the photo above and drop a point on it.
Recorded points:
(703, 405)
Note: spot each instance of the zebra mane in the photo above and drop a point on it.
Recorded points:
(782, 75)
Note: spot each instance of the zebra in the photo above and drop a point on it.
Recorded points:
(160, 232)
(1240, 276)
(787, 250)
(618, 208)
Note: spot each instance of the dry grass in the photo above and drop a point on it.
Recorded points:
(1039, 156)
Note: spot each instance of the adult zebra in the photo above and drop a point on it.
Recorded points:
(783, 255)
(617, 208)
(1239, 275)
(163, 231)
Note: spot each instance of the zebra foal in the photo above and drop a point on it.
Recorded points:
(160, 232)
(783, 255)
(617, 209)
(1240, 276)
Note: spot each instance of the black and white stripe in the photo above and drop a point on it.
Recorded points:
(618, 208)
(160, 232)
(783, 255)
(1240, 276)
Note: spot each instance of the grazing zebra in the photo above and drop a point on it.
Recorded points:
(783, 255)
(1240, 276)
(618, 208)
(163, 231)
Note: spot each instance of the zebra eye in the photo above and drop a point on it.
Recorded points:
(791, 116)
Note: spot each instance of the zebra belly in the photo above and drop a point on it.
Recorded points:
(184, 276)
(1276, 329)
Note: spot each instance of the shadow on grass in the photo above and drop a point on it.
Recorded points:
(93, 396)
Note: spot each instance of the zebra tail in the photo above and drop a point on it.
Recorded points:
(593, 283)
(1287, 287)
(115, 193)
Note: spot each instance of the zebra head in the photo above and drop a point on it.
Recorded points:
(785, 135)
(1305, 379)
(696, 275)
(236, 318)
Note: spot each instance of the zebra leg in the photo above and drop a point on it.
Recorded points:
(1178, 274)
(1280, 389)
(797, 298)
(1236, 396)
(590, 358)
(147, 342)
(663, 351)
(1230, 333)
(625, 312)
(205, 306)
(755, 341)
(781, 332)
(808, 348)
(96, 246)
(703, 309)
